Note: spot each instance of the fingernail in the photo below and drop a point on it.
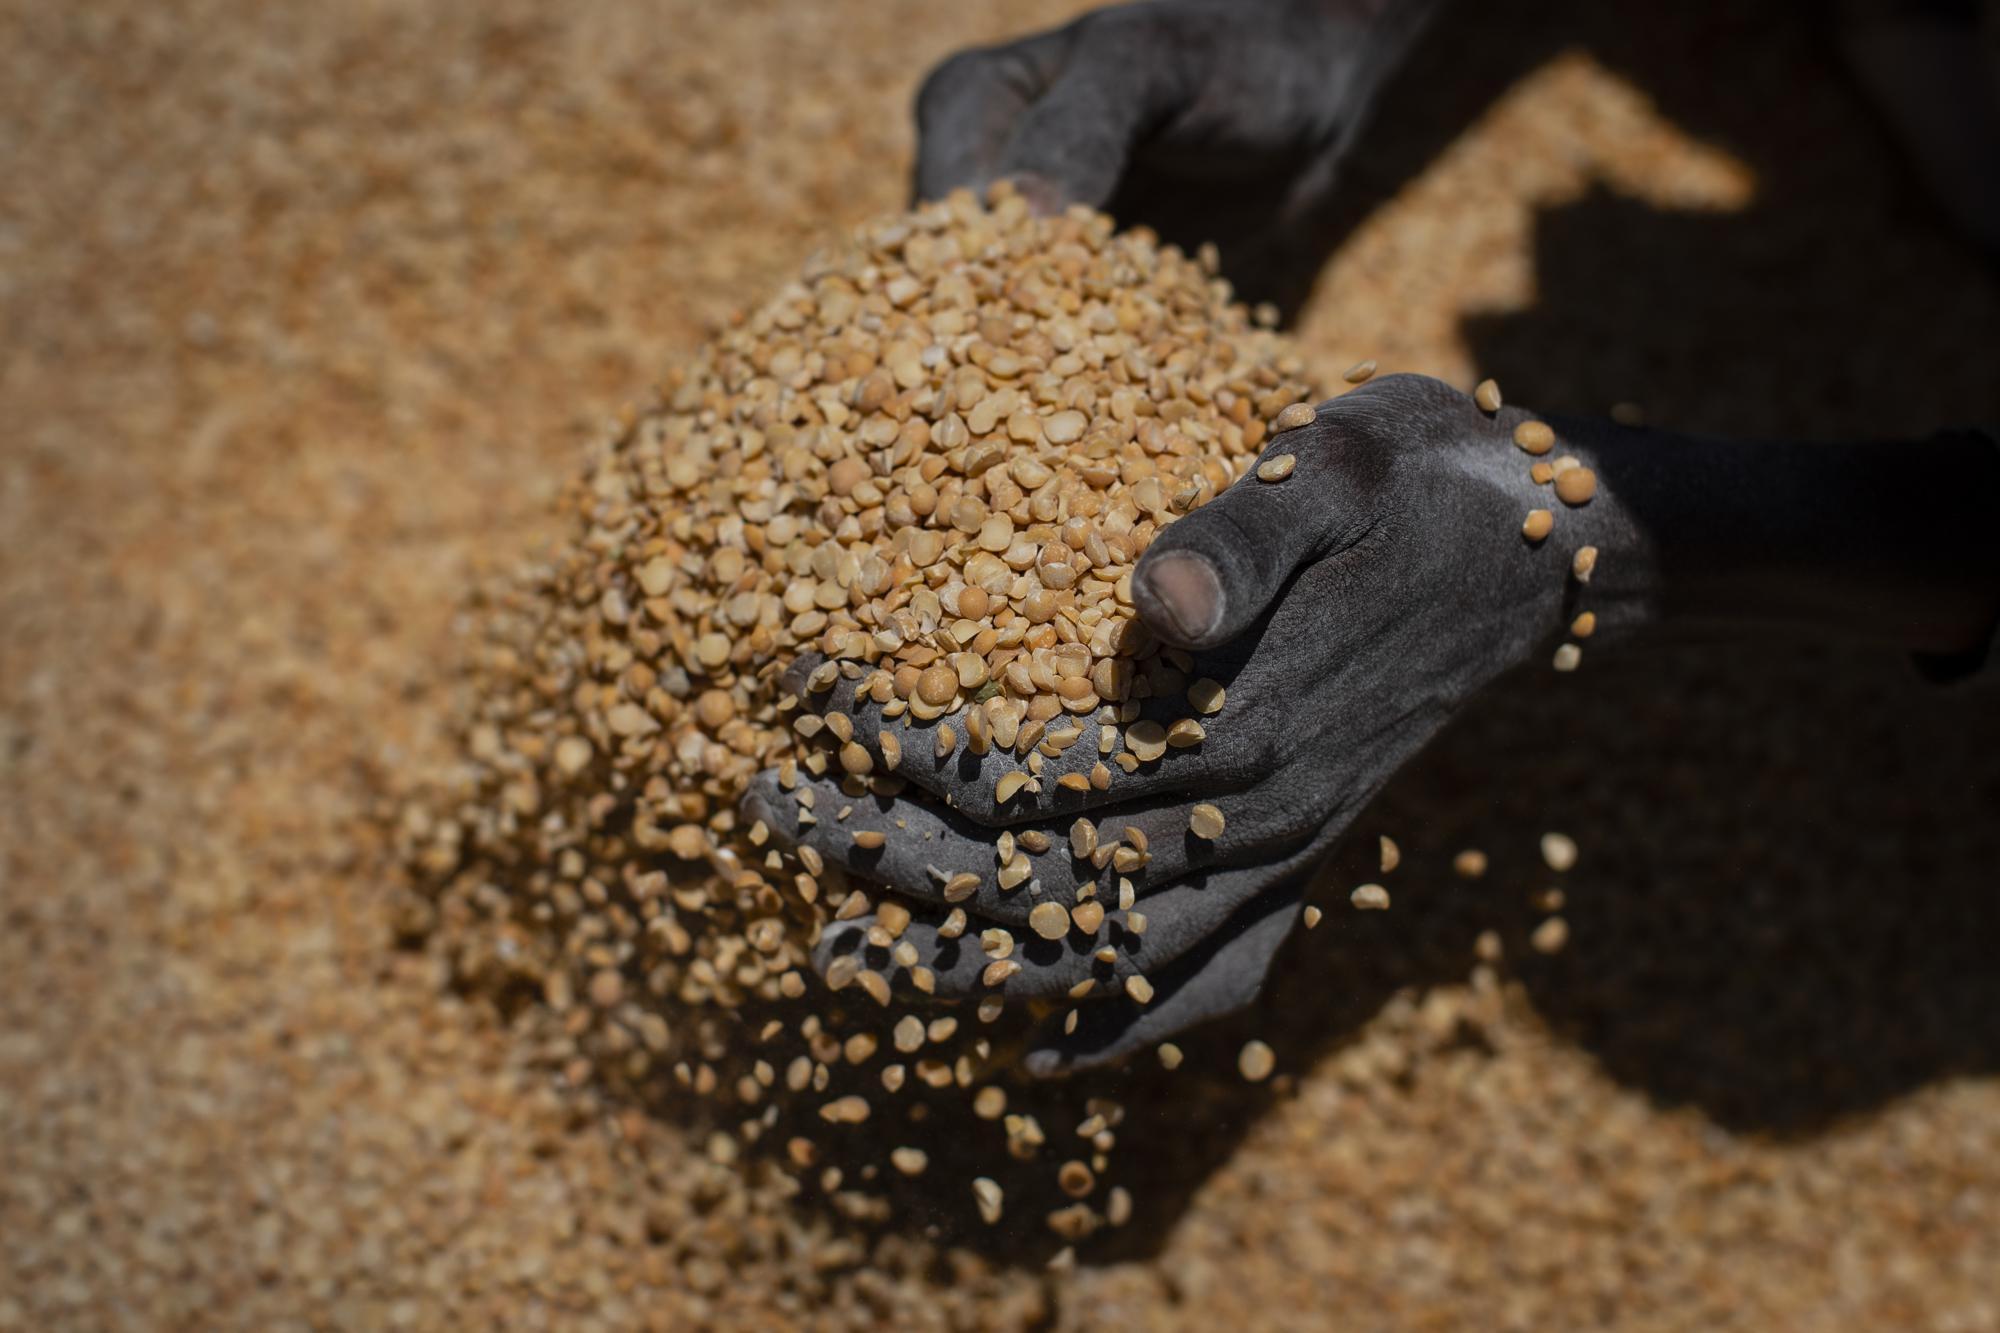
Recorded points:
(1180, 594)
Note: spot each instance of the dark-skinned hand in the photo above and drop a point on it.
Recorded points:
(1209, 120)
(1346, 611)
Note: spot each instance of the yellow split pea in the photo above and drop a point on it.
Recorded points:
(932, 463)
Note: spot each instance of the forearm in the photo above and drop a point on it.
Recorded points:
(1893, 541)
(1366, 41)
(1267, 76)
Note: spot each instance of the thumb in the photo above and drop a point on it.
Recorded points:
(1213, 573)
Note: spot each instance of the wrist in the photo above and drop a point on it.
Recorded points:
(1354, 46)
(1891, 541)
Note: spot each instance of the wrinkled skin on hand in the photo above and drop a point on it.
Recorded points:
(1209, 120)
(1348, 611)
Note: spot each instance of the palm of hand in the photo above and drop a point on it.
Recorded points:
(1356, 605)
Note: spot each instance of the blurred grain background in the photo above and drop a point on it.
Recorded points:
(307, 311)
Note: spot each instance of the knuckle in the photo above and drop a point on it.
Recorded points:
(1403, 387)
(1397, 407)
(1119, 31)
(951, 77)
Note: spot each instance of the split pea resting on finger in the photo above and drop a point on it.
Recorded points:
(1294, 417)
(1534, 437)
(922, 474)
(1576, 486)
(1205, 822)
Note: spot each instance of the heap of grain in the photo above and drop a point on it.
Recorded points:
(933, 459)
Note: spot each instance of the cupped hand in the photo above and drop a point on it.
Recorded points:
(1314, 632)
(1219, 120)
